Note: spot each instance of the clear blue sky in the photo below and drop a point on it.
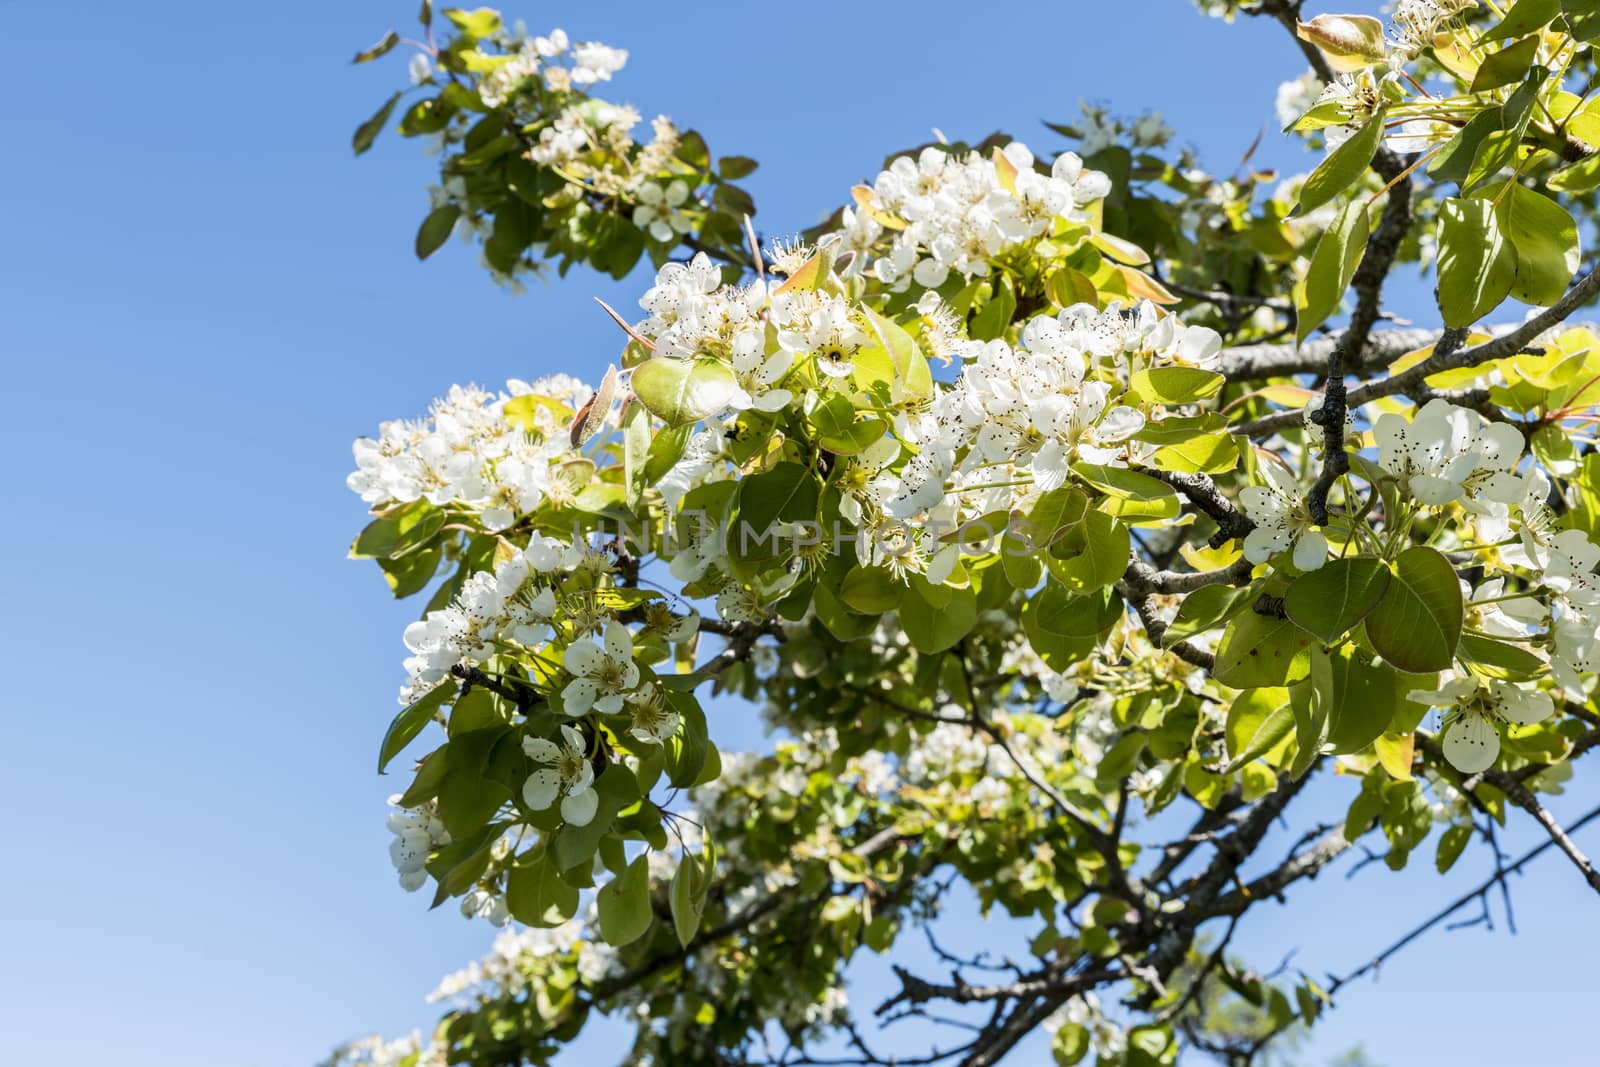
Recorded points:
(205, 298)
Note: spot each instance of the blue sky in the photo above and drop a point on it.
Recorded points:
(205, 298)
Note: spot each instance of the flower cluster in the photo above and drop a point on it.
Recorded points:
(1540, 592)
(1282, 520)
(468, 455)
(375, 1051)
(587, 62)
(952, 213)
(691, 313)
(1041, 407)
(1447, 454)
(417, 832)
(1415, 23)
(514, 605)
(1097, 129)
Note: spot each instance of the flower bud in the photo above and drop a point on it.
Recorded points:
(1350, 42)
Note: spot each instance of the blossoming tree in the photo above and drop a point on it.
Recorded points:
(1031, 500)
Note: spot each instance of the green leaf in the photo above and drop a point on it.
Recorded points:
(436, 229)
(681, 391)
(688, 898)
(1583, 18)
(1092, 555)
(1070, 1045)
(871, 590)
(666, 449)
(1258, 720)
(787, 493)
(398, 532)
(477, 23)
(635, 453)
(1310, 718)
(1204, 453)
(1498, 659)
(1342, 167)
(537, 894)
(992, 321)
(1054, 513)
(1451, 844)
(839, 431)
(693, 151)
(624, 905)
(368, 131)
(410, 722)
(1365, 807)
(411, 572)
(933, 627)
(1122, 758)
(458, 865)
(1019, 558)
(431, 771)
(1454, 161)
(1334, 597)
(1476, 264)
(468, 798)
(732, 168)
(426, 116)
(1177, 385)
(907, 368)
(1418, 621)
(1505, 66)
(1207, 608)
(688, 753)
(1320, 116)
(618, 789)
(383, 47)
(1359, 698)
(1133, 497)
(1525, 17)
(1499, 147)
(1258, 651)
(1062, 628)
(1581, 177)
(1546, 241)
(1333, 264)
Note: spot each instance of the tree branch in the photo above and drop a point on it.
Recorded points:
(1379, 349)
(1367, 282)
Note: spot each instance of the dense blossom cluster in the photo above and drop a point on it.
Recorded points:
(942, 212)
(417, 832)
(1196, 613)
(513, 606)
(1445, 458)
(953, 768)
(553, 59)
(467, 454)
(1045, 405)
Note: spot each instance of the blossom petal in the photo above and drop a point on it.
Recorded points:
(582, 657)
(541, 750)
(1310, 551)
(1264, 542)
(579, 809)
(540, 790)
(619, 642)
(1471, 744)
(578, 696)
(1434, 491)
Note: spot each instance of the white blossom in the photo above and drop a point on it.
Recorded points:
(603, 674)
(563, 770)
(1282, 521)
